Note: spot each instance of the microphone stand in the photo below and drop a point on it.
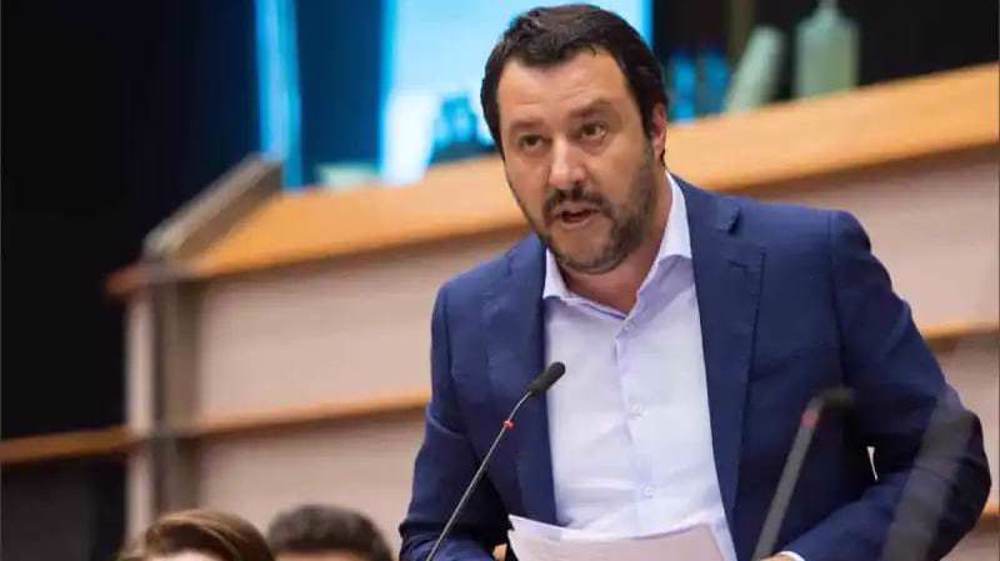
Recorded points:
(538, 386)
(835, 398)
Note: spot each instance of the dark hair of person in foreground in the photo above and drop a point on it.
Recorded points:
(217, 535)
(325, 528)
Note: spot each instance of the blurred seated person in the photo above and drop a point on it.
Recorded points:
(326, 533)
(199, 535)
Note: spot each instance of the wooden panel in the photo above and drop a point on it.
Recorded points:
(316, 460)
(950, 333)
(453, 200)
(67, 445)
(368, 465)
(332, 332)
(874, 126)
(957, 339)
(307, 417)
(972, 366)
(991, 515)
(946, 337)
(316, 466)
(358, 327)
(935, 224)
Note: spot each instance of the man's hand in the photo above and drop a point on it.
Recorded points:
(780, 557)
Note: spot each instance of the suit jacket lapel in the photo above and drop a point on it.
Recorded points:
(515, 354)
(727, 274)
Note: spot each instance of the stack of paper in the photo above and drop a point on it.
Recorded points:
(535, 541)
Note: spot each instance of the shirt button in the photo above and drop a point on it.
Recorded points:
(636, 410)
(648, 491)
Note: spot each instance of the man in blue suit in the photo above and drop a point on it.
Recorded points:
(695, 328)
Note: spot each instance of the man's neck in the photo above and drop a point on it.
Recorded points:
(619, 287)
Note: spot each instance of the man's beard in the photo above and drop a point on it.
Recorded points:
(630, 222)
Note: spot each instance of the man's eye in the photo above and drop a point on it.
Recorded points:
(593, 131)
(529, 141)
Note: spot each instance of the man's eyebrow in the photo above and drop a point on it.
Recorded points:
(520, 124)
(596, 106)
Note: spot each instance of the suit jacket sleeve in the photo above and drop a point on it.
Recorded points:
(445, 464)
(932, 474)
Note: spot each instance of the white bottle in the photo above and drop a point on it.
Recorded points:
(826, 52)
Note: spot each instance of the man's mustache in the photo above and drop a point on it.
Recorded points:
(575, 195)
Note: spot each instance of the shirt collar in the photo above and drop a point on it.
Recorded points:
(676, 242)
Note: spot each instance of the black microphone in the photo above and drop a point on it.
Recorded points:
(538, 386)
(833, 398)
(543, 382)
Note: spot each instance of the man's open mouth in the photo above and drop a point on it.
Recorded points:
(576, 217)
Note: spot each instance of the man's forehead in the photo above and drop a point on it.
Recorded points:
(582, 79)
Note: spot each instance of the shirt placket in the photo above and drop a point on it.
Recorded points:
(636, 412)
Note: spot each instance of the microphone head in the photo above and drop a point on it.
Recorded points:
(544, 381)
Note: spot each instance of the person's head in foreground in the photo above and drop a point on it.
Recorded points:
(199, 535)
(575, 102)
(326, 533)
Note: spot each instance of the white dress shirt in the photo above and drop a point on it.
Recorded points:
(629, 423)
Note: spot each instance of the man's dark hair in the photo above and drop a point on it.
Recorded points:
(549, 36)
(324, 528)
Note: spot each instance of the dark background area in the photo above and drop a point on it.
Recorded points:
(898, 38)
(114, 113)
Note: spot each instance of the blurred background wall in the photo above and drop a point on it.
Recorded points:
(114, 114)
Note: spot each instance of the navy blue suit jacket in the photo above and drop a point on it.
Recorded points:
(791, 302)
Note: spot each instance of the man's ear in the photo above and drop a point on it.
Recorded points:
(658, 132)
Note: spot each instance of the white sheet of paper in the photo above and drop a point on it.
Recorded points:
(536, 541)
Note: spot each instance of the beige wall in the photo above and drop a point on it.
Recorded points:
(330, 332)
(973, 368)
(367, 466)
(935, 225)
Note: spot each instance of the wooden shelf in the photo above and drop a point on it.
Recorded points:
(928, 116)
(945, 337)
(960, 330)
(117, 441)
(991, 515)
(311, 416)
(120, 440)
(67, 445)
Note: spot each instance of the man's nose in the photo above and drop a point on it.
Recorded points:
(566, 169)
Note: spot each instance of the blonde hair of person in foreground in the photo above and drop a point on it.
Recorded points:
(199, 535)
